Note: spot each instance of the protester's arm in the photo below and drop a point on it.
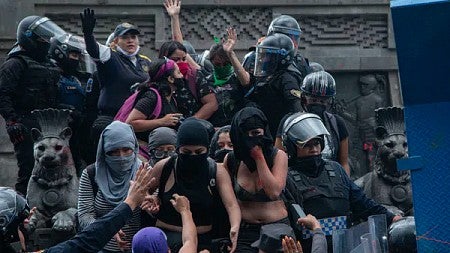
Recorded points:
(86, 213)
(228, 46)
(230, 202)
(96, 235)
(210, 106)
(273, 180)
(189, 232)
(319, 243)
(173, 8)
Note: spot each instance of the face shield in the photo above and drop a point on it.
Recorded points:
(294, 34)
(74, 43)
(303, 128)
(267, 59)
(45, 29)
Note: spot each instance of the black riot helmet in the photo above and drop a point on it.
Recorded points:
(319, 84)
(61, 46)
(287, 25)
(402, 236)
(275, 53)
(299, 128)
(13, 211)
(34, 33)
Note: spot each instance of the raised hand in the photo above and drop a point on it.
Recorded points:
(151, 204)
(88, 21)
(180, 203)
(228, 44)
(140, 187)
(291, 246)
(172, 7)
(121, 242)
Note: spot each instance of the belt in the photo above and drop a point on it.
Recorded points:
(328, 226)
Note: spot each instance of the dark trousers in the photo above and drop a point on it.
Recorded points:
(175, 241)
(25, 157)
(249, 233)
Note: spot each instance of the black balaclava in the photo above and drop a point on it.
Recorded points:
(191, 167)
(247, 119)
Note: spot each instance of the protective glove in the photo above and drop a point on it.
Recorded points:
(16, 131)
(88, 21)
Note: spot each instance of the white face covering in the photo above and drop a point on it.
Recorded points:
(132, 56)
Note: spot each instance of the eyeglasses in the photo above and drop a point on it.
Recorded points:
(312, 143)
(161, 153)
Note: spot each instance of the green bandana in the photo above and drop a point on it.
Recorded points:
(222, 74)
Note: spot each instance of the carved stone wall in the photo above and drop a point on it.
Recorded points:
(348, 37)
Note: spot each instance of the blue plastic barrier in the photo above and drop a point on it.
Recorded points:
(422, 35)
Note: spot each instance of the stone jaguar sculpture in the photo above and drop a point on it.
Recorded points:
(385, 184)
(53, 186)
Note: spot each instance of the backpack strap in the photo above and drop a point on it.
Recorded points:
(212, 175)
(334, 126)
(157, 111)
(90, 170)
(126, 108)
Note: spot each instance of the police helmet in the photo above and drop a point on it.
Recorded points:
(276, 52)
(33, 28)
(60, 47)
(249, 62)
(13, 211)
(299, 128)
(316, 67)
(402, 236)
(287, 25)
(319, 84)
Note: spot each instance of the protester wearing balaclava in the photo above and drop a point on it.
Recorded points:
(113, 173)
(245, 120)
(192, 166)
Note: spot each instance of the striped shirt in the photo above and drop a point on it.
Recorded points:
(90, 208)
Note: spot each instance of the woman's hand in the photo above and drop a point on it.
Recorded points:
(151, 204)
(171, 119)
(172, 7)
(234, 232)
(121, 243)
(310, 222)
(290, 246)
(228, 45)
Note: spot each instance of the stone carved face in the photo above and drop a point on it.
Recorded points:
(390, 149)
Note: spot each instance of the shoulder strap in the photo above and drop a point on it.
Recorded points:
(330, 170)
(212, 174)
(165, 173)
(232, 165)
(157, 111)
(90, 170)
(126, 108)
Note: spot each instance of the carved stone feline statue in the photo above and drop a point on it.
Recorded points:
(385, 184)
(53, 186)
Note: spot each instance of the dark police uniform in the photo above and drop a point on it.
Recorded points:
(25, 85)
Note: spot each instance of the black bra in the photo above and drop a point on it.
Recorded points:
(244, 195)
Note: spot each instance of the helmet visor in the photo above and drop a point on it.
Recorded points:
(76, 43)
(45, 29)
(304, 128)
(266, 60)
(294, 34)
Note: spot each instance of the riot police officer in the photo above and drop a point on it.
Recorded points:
(321, 186)
(287, 25)
(75, 92)
(277, 89)
(28, 81)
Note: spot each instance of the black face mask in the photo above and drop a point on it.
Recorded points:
(310, 165)
(70, 66)
(41, 51)
(220, 154)
(179, 82)
(316, 109)
(192, 165)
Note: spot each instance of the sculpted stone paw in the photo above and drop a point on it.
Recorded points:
(63, 221)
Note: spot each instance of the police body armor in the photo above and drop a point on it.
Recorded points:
(302, 65)
(38, 86)
(323, 196)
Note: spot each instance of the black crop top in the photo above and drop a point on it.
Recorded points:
(241, 193)
(201, 202)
